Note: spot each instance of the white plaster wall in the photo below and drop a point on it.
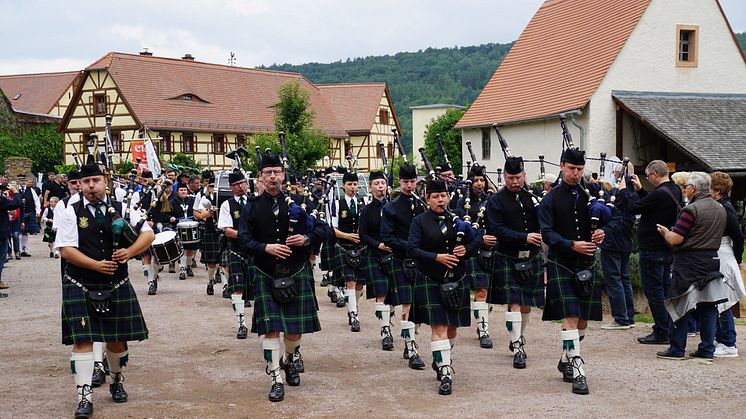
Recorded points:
(420, 119)
(647, 62)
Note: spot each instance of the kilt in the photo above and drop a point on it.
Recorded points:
(478, 277)
(506, 290)
(378, 282)
(347, 272)
(428, 307)
(191, 246)
(49, 235)
(209, 246)
(404, 287)
(30, 225)
(240, 270)
(562, 300)
(297, 317)
(331, 260)
(78, 326)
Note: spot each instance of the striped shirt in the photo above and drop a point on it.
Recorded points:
(684, 224)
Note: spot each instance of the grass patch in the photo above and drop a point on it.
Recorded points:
(643, 318)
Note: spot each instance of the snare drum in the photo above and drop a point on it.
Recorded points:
(166, 247)
(188, 231)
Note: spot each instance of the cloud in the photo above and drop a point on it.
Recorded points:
(248, 7)
(41, 65)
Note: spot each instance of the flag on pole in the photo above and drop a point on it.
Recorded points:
(152, 158)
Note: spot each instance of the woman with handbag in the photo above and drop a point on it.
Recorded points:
(440, 244)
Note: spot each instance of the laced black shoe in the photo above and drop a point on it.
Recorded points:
(99, 376)
(332, 296)
(242, 332)
(566, 369)
(218, 278)
(247, 303)
(354, 323)
(324, 280)
(415, 362)
(387, 343)
(579, 384)
(152, 287)
(485, 341)
(446, 382)
(189, 271)
(226, 293)
(51, 254)
(405, 355)
(277, 391)
(298, 361)
(85, 407)
(519, 358)
(182, 274)
(341, 301)
(117, 389)
(291, 374)
(210, 289)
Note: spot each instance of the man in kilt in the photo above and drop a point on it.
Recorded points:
(345, 223)
(573, 289)
(209, 245)
(234, 257)
(184, 203)
(396, 218)
(97, 269)
(478, 266)
(440, 247)
(518, 273)
(31, 211)
(283, 281)
(380, 281)
(140, 204)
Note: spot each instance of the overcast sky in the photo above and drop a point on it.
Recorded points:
(39, 36)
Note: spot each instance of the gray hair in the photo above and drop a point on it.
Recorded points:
(700, 180)
(658, 166)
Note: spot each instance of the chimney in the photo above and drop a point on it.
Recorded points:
(187, 57)
(146, 53)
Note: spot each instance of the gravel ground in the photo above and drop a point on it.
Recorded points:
(193, 366)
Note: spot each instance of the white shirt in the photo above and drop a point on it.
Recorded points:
(37, 203)
(224, 218)
(67, 224)
(348, 201)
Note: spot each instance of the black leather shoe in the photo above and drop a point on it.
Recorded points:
(218, 278)
(652, 339)
(579, 385)
(298, 361)
(566, 369)
(291, 374)
(226, 294)
(405, 355)
(670, 354)
(446, 386)
(247, 303)
(152, 287)
(519, 359)
(387, 343)
(341, 302)
(332, 296)
(117, 390)
(415, 362)
(485, 341)
(56, 256)
(99, 376)
(354, 324)
(182, 275)
(210, 289)
(242, 332)
(84, 410)
(51, 255)
(277, 392)
(189, 271)
(700, 356)
(324, 280)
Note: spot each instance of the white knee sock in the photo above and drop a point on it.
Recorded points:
(146, 272)
(525, 317)
(290, 347)
(442, 354)
(359, 295)
(211, 273)
(98, 351)
(481, 314)
(237, 302)
(383, 313)
(117, 362)
(351, 300)
(183, 261)
(571, 347)
(407, 331)
(81, 365)
(513, 324)
(24, 242)
(271, 349)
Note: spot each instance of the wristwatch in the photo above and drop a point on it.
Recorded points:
(306, 240)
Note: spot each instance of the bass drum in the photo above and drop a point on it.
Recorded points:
(166, 247)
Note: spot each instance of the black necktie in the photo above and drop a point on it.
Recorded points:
(242, 201)
(353, 207)
(275, 207)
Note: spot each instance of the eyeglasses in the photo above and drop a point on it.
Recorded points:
(272, 172)
(688, 185)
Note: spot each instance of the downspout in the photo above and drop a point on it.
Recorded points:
(580, 128)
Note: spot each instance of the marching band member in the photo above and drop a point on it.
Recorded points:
(95, 269)
(441, 291)
(184, 203)
(380, 281)
(47, 220)
(396, 218)
(140, 203)
(209, 245)
(518, 272)
(235, 258)
(283, 282)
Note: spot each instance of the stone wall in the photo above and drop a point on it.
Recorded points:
(14, 166)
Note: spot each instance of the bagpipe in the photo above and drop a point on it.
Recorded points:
(384, 161)
(507, 154)
(300, 221)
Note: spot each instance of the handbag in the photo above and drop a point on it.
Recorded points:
(353, 257)
(523, 273)
(99, 303)
(451, 295)
(385, 263)
(410, 269)
(583, 282)
(486, 259)
(284, 290)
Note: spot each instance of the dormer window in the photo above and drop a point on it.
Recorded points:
(686, 54)
(189, 97)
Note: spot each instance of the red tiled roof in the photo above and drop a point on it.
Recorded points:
(39, 93)
(354, 104)
(558, 61)
(235, 99)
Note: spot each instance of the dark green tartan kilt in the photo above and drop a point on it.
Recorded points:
(428, 307)
(331, 260)
(562, 300)
(404, 287)
(297, 317)
(347, 272)
(126, 324)
(209, 246)
(378, 282)
(478, 276)
(506, 290)
(240, 273)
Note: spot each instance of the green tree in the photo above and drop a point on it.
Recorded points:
(443, 126)
(291, 112)
(40, 143)
(184, 162)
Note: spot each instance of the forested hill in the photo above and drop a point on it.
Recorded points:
(435, 75)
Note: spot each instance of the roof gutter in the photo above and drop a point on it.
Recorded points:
(576, 111)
